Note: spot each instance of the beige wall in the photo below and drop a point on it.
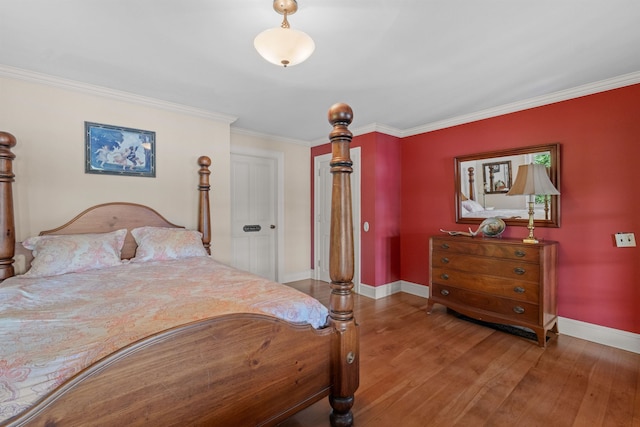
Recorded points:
(297, 204)
(51, 186)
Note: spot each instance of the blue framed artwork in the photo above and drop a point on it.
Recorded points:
(116, 150)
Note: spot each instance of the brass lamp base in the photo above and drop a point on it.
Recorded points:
(530, 238)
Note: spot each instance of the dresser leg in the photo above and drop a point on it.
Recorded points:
(542, 338)
(429, 306)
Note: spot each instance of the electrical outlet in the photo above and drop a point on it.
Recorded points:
(625, 240)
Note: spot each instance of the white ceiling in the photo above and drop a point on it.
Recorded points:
(400, 64)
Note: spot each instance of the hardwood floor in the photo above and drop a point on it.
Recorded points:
(438, 370)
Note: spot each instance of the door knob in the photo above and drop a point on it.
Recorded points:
(272, 226)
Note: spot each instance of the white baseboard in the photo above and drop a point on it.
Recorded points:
(377, 292)
(300, 275)
(587, 331)
(600, 334)
(382, 291)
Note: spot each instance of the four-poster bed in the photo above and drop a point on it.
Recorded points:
(252, 367)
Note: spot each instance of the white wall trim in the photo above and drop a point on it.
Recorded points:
(294, 277)
(574, 328)
(356, 188)
(377, 292)
(563, 95)
(415, 289)
(34, 77)
(275, 138)
(363, 130)
(600, 334)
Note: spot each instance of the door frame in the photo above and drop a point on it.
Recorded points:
(278, 156)
(356, 177)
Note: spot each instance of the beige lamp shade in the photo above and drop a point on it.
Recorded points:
(532, 179)
(284, 46)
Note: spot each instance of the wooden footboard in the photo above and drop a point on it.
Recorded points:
(242, 369)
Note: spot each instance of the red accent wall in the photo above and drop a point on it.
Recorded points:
(380, 206)
(600, 195)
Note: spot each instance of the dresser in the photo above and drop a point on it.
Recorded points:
(496, 280)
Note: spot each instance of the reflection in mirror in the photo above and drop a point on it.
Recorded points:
(483, 179)
(496, 177)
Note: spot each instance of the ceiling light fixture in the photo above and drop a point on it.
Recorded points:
(282, 45)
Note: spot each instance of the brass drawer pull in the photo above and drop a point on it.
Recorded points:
(519, 270)
(444, 276)
(518, 290)
(444, 292)
(444, 246)
(517, 309)
(520, 254)
(445, 260)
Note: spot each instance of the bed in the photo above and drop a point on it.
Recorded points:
(169, 358)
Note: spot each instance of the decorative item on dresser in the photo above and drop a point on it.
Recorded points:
(496, 280)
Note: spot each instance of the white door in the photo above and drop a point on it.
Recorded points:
(323, 183)
(254, 214)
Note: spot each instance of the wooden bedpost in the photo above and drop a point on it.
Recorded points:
(472, 185)
(7, 226)
(345, 356)
(204, 213)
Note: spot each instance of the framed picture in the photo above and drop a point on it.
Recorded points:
(497, 177)
(116, 150)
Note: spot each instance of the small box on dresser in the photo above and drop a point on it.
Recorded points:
(496, 280)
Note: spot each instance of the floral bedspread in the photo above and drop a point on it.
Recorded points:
(51, 328)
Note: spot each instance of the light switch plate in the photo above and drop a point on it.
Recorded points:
(625, 240)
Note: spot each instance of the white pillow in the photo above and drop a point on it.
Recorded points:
(472, 206)
(160, 243)
(72, 253)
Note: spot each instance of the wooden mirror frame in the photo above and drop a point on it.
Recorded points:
(554, 175)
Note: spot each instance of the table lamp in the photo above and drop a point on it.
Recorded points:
(532, 180)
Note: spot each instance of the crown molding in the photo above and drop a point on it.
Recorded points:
(563, 95)
(45, 79)
(363, 130)
(268, 137)
(377, 127)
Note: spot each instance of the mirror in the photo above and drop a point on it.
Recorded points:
(483, 179)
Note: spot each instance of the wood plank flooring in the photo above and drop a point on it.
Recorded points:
(438, 370)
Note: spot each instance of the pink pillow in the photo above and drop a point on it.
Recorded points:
(160, 244)
(59, 254)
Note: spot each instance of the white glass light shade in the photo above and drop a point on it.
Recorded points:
(284, 46)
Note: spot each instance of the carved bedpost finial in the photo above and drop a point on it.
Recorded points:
(345, 358)
(204, 214)
(7, 230)
(340, 116)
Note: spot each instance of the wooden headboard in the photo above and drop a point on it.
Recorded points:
(111, 217)
(101, 218)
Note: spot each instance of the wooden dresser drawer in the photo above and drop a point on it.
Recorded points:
(513, 269)
(518, 311)
(500, 286)
(495, 248)
(498, 280)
